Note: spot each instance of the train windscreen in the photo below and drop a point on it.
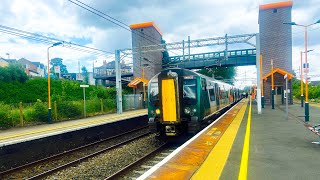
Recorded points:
(154, 92)
(190, 91)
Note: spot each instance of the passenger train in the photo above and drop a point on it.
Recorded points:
(181, 101)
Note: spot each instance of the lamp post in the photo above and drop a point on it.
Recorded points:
(306, 112)
(49, 97)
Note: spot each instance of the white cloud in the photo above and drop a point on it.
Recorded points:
(176, 19)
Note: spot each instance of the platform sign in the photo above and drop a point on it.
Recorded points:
(306, 67)
(84, 86)
(57, 69)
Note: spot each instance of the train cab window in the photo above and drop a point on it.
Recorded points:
(212, 95)
(190, 91)
(154, 92)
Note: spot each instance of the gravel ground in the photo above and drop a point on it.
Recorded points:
(110, 162)
(144, 166)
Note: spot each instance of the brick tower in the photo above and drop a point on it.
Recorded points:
(145, 34)
(276, 45)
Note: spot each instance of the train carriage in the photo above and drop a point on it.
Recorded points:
(180, 101)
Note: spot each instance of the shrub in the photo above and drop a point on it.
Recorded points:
(68, 109)
(9, 116)
(93, 106)
(40, 112)
(109, 105)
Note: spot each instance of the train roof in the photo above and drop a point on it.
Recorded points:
(203, 76)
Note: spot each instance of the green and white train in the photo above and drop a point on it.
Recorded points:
(180, 101)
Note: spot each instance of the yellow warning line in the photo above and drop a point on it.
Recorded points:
(215, 162)
(245, 152)
(65, 127)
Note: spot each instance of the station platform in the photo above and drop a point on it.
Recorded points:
(22, 134)
(246, 145)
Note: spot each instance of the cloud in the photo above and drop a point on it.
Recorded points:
(176, 19)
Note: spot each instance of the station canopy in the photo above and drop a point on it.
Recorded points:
(134, 83)
(280, 71)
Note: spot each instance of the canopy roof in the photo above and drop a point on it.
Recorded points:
(136, 81)
(280, 71)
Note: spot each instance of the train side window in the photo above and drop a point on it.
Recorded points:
(212, 95)
(203, 84)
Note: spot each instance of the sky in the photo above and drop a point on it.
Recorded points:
(177, 20)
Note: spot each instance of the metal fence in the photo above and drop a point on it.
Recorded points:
(132, 101)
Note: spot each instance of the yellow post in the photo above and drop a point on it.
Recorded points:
(261, 73)
(21, 114)
(272, 85)
(144, 89)
(55, 111)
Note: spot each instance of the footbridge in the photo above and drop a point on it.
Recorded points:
(242, 57)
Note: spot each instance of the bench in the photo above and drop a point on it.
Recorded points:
(315, 129)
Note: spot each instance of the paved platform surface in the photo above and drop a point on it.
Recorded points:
(270, 147)
(21, 134)
(279, 148)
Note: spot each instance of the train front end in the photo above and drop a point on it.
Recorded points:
(172, 102)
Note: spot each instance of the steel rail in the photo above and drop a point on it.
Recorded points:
(121, 172)
(28, 165)
(49, 172)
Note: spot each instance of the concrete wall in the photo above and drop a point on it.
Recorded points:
(275, 43)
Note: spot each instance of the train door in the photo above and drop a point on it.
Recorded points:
(217, 95)
(212, 98)
(169, 105)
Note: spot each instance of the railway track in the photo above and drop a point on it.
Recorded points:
(58, 162)
(140, 166)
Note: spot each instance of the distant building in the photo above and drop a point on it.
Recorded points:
(3, 63)
(6, 62)
(106, 74)
(11, 61)
(33, 69)
(79, 77)
(40, 69)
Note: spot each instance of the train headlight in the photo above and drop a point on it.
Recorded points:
(158, 111)
(187, 110)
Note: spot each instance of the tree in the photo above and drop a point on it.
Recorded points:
(58, 62)
(85, 74)
(13, 73)
(226, 74)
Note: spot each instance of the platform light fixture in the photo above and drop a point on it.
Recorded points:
(306, 62)
(49, 86)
